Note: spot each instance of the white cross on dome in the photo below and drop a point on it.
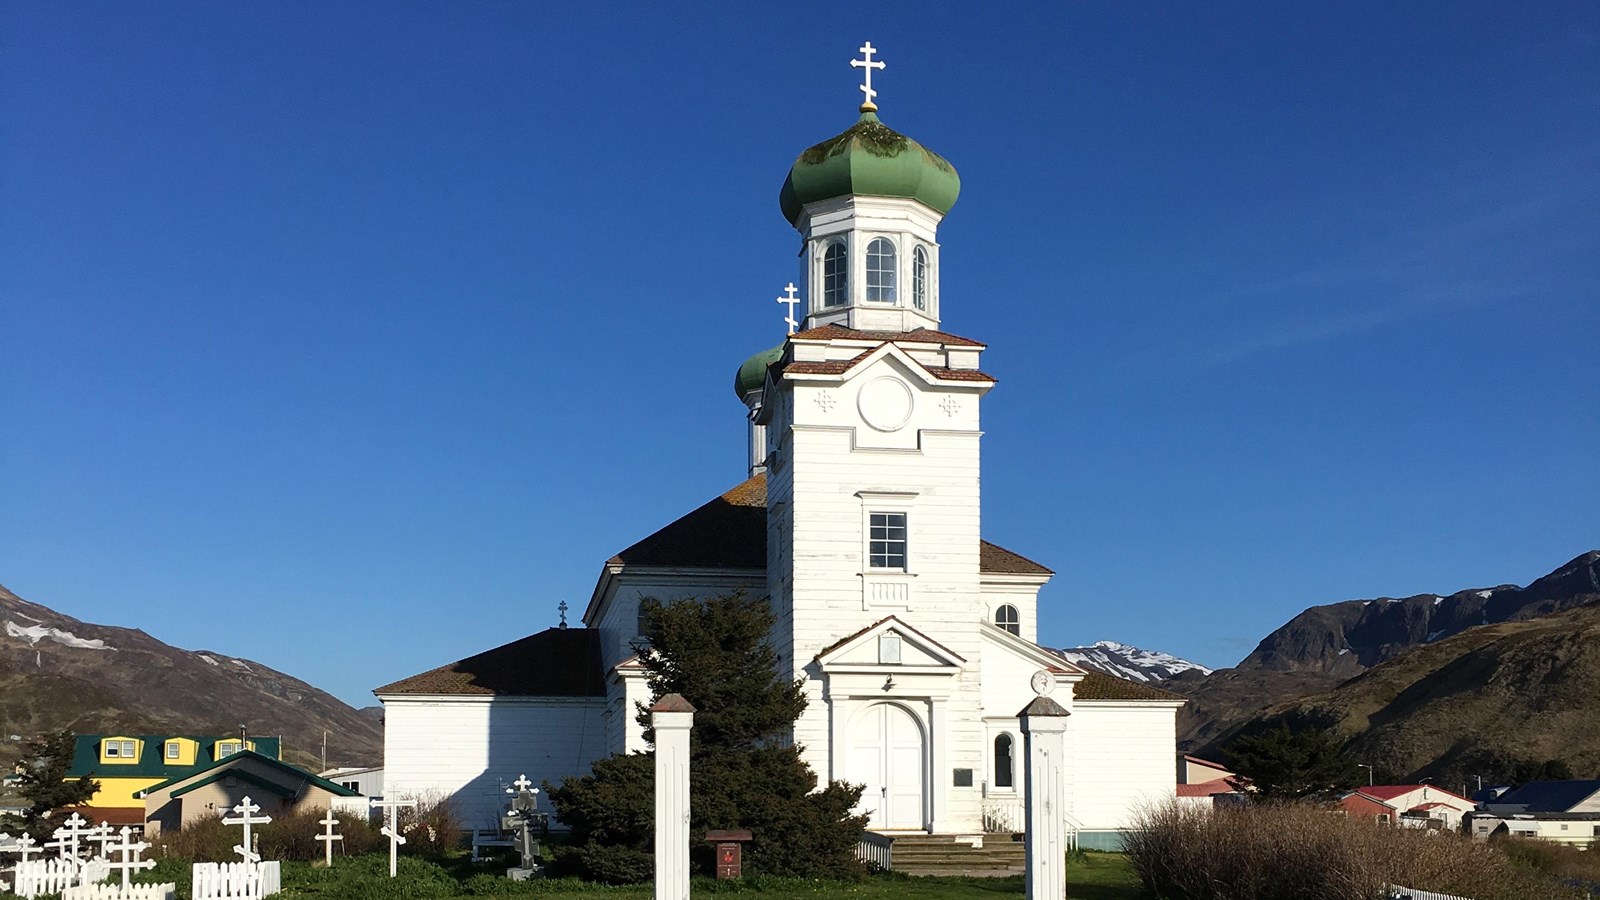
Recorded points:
(868, 64)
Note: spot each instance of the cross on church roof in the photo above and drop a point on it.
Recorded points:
(868, 64)
(562, 607)
(791, 300)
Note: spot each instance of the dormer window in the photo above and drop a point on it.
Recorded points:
(119, 750)
(881, 273)
(1006, 617)
(172, 750)
(227, 748)
(919, 278)
(835, 275)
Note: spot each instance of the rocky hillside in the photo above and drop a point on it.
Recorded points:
(1326, 645)
(1345, 639)
(1132, 663)
(1478, 703)
(57, 672)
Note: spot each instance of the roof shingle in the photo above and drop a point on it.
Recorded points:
(920, 336)
(1097, 685)
(556, 662)
(731, 532)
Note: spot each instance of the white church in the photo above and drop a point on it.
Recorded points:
(860, 522)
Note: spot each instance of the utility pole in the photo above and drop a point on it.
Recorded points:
(1369, 773)
(325, 751)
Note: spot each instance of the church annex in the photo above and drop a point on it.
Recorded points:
(860, 521)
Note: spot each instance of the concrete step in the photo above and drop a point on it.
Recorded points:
(944, 854)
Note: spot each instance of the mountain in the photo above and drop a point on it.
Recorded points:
(1345, 639)
(1326, 645)
(1130, 662)
(1481, 703)
(57, 672)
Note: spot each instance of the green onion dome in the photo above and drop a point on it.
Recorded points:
(753, 373)
(872, 159)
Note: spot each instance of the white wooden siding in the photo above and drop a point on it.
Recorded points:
(468, 749)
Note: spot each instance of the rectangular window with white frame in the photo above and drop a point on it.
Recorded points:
(172, 750)
(886, 544)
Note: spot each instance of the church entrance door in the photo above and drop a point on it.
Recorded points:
(887, 752)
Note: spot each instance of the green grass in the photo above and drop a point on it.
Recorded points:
(1090, 876)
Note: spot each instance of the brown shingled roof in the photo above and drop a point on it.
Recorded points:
(731, 532)
(556, 662)
(1000, 561)
(841, 366)
(920, 336)
(1097, 685)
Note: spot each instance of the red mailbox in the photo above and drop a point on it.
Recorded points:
(730, 854)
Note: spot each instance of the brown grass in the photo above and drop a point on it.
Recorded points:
(1267, 852)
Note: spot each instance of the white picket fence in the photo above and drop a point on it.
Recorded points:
(117, 892)
(1396, 892)
(235, 881)
(52, 876)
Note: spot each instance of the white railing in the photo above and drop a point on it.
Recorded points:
(235, 881)
(52, 876)
(877, 850)
(1003, 813)
(118, 892)
(1396, 892)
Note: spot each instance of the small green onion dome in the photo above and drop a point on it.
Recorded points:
(753, 374)
(872, 159)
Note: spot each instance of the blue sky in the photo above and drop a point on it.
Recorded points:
(351, 338)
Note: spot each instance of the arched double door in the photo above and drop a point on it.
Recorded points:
(887, 752)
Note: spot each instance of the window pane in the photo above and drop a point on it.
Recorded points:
(127, 749)
(919, 278)
(834, 275)
(886, 540)
(1002, 761)
(881, 271)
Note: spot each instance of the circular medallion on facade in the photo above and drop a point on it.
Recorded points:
(885, 404)
(1042, 682)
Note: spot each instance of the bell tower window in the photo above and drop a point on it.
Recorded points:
(919, 278)
(1006, 617)
(835, 275)
(881, 271)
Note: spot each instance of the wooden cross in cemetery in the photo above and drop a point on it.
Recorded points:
(131, 851)
(103, 835)
(24, 847)
(69, 837)
(391, 830)
(247, 817)
(327, 837)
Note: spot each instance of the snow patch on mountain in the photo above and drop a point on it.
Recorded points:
(33, 634)
(1129, 662)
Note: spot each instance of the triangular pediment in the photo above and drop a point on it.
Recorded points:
(867, 647)
(1033, 653)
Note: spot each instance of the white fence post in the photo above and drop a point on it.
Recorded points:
(1044, 727)
(672, 716)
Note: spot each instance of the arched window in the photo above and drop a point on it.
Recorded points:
(1002, 762)
(880, 271)
(1006, 617)
(919, 278)
(835, 275)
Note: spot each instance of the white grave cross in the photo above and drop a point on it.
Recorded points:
(868, 64)
(247, 817)
(522, 783)
(391, 830)
(69, 837)
(103, 835)
(131, 850)
(24, 847)
(327, 837)
(791, 300)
